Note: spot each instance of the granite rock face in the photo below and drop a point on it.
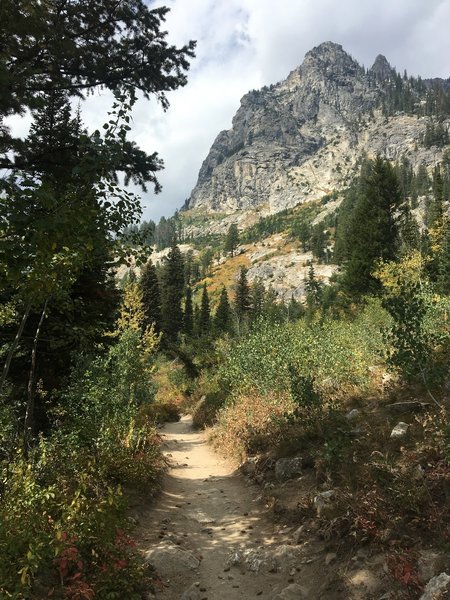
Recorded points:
(301, 138)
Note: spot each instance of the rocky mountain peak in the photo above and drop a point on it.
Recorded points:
(381, 68)
(330, 58)
(301, 138)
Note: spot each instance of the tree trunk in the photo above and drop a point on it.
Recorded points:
(14, 347)
(29, 415)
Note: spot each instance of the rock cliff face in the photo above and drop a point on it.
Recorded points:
(301, 138)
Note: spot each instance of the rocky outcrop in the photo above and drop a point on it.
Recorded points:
(301, 138)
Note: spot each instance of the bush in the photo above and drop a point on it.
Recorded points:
(62, 513)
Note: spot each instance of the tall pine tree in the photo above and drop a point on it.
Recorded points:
(205, 313)
(222, 319)
(151, 295)
(373, 232)
(242, 302)
(173, 291)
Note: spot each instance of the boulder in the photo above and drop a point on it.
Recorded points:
(431, 563)
(438, 588)
(352, 415)
(399, 431)
(323, 502)
(287, 468)
(169, 559)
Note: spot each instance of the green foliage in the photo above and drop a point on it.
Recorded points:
(242, 302)
(222, 318)
(232, 239)
(67, 496)
(172, 293)
(151, 295)
(416, 312)
(373, 231)
(336, 354)
(204, 324)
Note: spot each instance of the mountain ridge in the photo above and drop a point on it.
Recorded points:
(301, 138)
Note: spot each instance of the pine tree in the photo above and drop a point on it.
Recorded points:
(173, 291)
(188, 321)
(257, 298)
(151, 295)
(313, 289)
(205, 313)
(374, 228)
(222, 319)
(242, 302)
(232, 239)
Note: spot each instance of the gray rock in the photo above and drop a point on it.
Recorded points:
(192, 593)
(399, 431)
(281, 559)
(292, 592)
(169, 559)
(330, 557)
(287, 468)
(352, 415)
(431, 563)
(407, 407)
(323, 502)
(298, 534)
(438, 588)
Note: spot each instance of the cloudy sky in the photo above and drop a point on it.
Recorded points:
(245, 44)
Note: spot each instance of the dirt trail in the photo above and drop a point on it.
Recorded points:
(211, 512)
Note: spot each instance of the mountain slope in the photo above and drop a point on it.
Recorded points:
(302, 138)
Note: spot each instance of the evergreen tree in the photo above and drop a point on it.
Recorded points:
(172, 294)
(443, 282)
(205, 313)
(188, 321)
(257, 299)
(151, 295)
(313, 289)
(374, 228)
(232, 239)
(222, 319)
(242, 302)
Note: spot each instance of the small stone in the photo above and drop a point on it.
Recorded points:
(292, 592)
(192, 593)
(399, 431)
(298, 534)
(352, 415)
(330, 557)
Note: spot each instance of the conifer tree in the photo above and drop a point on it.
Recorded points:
(188, 321)
(374, 228)
(222, 319)
(242, 301)
(313, 289)
(205, 313)
(257, 298)
(151, 295)
(173, 291)
(232, 239)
